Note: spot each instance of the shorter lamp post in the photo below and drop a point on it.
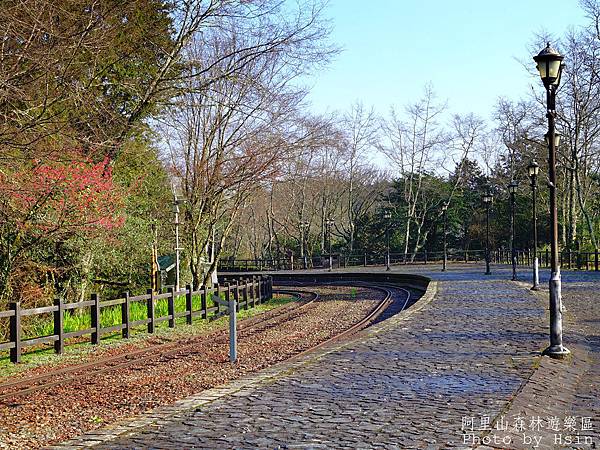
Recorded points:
(387, 215)
(512, 188)
(329, 224)
(304, 229)
(533, 170)
(176, 202)
(487, 199)
(445, 257)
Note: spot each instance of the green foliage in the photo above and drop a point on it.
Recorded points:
(125, 257)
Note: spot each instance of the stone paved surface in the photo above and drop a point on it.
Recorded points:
(410, 382)
(561, 395)
(565, 390)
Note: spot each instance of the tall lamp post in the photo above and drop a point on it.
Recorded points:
(304, 228)
(329, 224)
(487, 199)
(445, 257)
(549, 63)
(533, 170)
(512, 189)
(387, 215)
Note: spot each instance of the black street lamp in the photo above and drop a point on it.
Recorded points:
(177, 200)
(549, 63)
(329, 224)
(533, 169)
(487, 199)
(512, 188)
(445, 257)
(304, 229)
(387, 215)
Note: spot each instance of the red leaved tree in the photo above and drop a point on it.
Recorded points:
(51, 201)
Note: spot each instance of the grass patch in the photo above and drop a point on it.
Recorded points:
(81, 350)
(80, 319)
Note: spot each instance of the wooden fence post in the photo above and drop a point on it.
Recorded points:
(217, 292)
(171, 306)
(252, 290)
(188, 303)
(125, 316)
(203, 302)
(59, 344)
(95, 312)
(236, 295)
(15, 332)
(227, 291)
(266, 287)
(259, 290)
(245, 293)
(150, 311)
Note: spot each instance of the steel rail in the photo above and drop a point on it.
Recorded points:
(136, 356)
(247, 327)
(366, 321)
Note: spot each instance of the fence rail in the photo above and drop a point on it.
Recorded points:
(251, 291)
(340, 260)
(567, 259)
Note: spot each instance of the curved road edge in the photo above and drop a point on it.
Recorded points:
(130, 426)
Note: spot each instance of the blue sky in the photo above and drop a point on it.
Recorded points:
(468, 50)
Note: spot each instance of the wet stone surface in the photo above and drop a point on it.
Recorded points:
(560, 405)
(407, 386)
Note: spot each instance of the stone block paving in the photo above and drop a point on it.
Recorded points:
(408, 382)
(560, 405)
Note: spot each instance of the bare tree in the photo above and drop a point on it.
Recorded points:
(413, 146)
(236, 126)
(361, 128)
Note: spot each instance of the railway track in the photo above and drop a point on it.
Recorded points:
(11, 390)
(379, 310)
(23, 386)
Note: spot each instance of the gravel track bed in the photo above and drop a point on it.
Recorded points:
(140, 340)
(94, 400)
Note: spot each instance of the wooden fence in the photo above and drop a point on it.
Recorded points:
(246, 292)
(340, 260)
(567, 259)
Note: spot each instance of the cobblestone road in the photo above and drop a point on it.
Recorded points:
(406, 384)
(567, 391)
